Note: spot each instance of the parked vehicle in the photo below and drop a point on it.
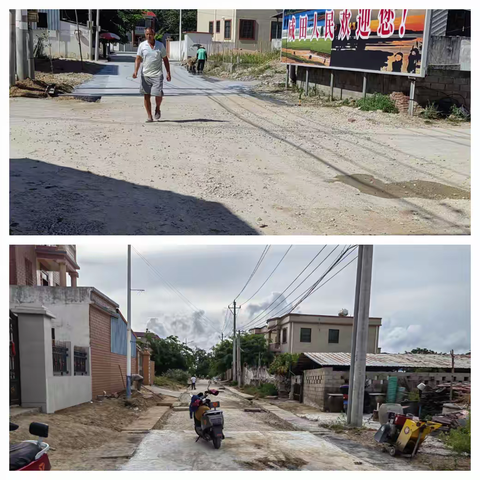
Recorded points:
(31, 454)
(208, 420)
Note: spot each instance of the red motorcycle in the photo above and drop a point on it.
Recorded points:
(31, 454)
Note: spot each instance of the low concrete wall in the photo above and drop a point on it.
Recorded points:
(64, 42)
(68, 316)
(455, 51)
(438, 83)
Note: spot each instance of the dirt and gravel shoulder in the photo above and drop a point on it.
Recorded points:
(78, 435)
(232, 164)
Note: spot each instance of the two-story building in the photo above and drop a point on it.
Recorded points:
(298, 333)
(68, 344)
(243, 29)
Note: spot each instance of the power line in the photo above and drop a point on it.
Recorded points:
(296, 278)
(313, 288)
(206, 320)
(261, 286)
(260, 260)
(275, 309)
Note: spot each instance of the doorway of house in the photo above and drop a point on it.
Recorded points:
(15, 397)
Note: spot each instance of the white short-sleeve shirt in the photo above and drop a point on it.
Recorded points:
(152, 58)
(193, 379)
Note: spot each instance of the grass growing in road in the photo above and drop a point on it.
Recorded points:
(377, 102)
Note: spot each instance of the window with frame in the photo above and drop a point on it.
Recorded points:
(284, 335)
(28, 272)
(217, 26)
(210, 27)
(228, 29)
(60, 352)
(306, 335)
(276, 30)
(80, 360)
(247, 30)
(333, 336)
(42, 20)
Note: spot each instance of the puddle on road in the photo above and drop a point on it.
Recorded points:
(411, 189)
(268, 463)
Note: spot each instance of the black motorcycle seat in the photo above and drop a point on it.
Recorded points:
(21, 454)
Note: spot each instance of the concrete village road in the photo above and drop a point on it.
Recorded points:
(253, 441)
(225, 161)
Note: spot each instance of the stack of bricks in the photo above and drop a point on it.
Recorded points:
(401, 101)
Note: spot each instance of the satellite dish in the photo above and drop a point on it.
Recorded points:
(343, 312)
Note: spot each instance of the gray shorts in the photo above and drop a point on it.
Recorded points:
(152, 86)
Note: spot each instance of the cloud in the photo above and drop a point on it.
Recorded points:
(254, 309)
(191, 328)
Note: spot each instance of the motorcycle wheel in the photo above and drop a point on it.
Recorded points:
(217, 442)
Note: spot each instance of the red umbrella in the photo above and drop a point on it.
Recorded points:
(109, 36)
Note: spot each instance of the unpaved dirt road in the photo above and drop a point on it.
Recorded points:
(222, 161)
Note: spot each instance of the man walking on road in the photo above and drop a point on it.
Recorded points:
(193, 380)
(201, 59)
(152, 53)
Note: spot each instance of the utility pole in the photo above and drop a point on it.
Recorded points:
(21, 34)
(30, 56)
(79, 33)
(354, 334)
(12, 47)
(234, 363)
(452, 354)
(97, 33)
(180, 35)
(358, 390)
(90, 34)
(129, 322)
(239, 361)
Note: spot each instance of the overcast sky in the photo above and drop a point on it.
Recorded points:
(422, 293)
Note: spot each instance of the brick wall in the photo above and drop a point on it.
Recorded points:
(438, 83)
(18, 254)
(318, 383)
(106, 374)
(13, 266)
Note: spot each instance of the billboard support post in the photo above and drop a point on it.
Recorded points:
(332, 80)
(364, 88)
(306, 81)
(412, 97)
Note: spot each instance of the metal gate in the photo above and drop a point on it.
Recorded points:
(15, 397)
(298, 391)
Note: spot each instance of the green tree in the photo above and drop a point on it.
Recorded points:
(168, 21)
(283, 364)
(254, 350)
(222, 357)
(120, 22)
(201, 363)
(423, 351)
(169, 353)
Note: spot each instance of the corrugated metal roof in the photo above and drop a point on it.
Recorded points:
(438, 25)
(394, 360)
